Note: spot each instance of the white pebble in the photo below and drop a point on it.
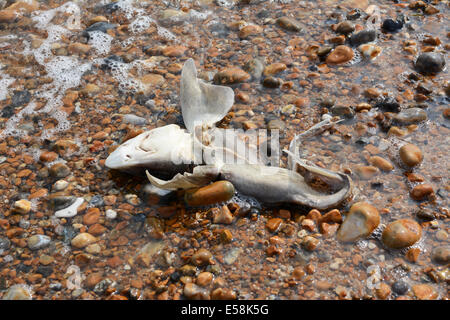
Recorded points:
(60, 185)
(111, 214)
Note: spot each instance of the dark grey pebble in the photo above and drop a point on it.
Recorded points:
(430, 62)
(271, 82)
(400, 287)
(391, 25)
(362, 37)
(4, 243)
(101, 26)
(388, 104)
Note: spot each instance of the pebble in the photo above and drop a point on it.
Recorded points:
(411, 116)
(422, 191)
(391, 25)
(271, 82)
(22, 206)
(38, 242)
(362, 37)
(222, 215)
(381, 163)
(341, 54)
(46, 259)
(360, 222)
(59, 170)
(426, 214)
(383, 291)
(204, 278)
(48, 156)
(201, 257)
(255, 68)
(82, 240)
(424, 292)
(411, 155)
(345, 27)
(366, 172)
(400, 287)
(4, 243)
(430, 62)
(71, 210)
(60, 185)
(401, 234)
(310, 243)
(110, 214)
(274, 68)
(273, 224)
(441, 255)
(218, 191)
(289, 24)
(345, 111)
(18, 292)
(230, 76)
(223, 294)
(250, 30)
(195, 292)
(370, 51)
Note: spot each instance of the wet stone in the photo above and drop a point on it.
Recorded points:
(363, 36)
(4, 243)
(401, 234)
(20, 98)
(345, 27)
(400, 287)
(59, 170)
(430, 62)
(360, 222)
(271, 82)
(422, 191)
(22, 206)
(195, 292)
(341, 54)
(388, 104)
(255, 68)
(424, 292)
(231, 76)
(391, 25)
(410, 116)
(38, 242)
(345, 111)
(99, 27)
(289, 24)
(218, 191)
(82, 240)
(201, 257)
(441, 255)
(410, 155)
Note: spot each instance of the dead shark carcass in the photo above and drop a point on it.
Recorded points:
(172, 149)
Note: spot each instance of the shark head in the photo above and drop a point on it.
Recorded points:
(162, 148)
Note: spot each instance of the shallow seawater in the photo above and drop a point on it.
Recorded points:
(80, 94)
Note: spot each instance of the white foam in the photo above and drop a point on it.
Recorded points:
(100, 41)
(65, 71)
(5, 82)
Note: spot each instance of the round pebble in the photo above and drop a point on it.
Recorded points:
(411, 155)
(430, 62)
(441, 254)
(401, 234)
